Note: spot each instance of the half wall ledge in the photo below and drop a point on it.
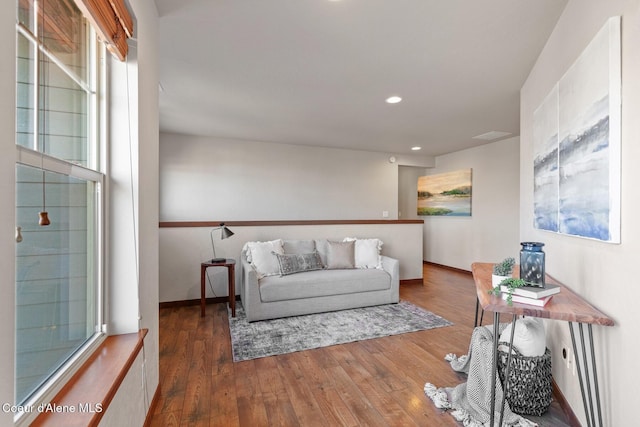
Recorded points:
(178, 224)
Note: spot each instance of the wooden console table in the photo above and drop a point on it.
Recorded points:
(567, 306)
(230, 264)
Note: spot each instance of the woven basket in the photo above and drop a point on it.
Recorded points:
(529, 391)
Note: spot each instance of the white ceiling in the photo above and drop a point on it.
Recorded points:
(317, 72)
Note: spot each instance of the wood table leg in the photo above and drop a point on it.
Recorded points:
(232, 289)
(477, 310)
(203, 269)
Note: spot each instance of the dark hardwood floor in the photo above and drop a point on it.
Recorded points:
(376, 382)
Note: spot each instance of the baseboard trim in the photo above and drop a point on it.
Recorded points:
(459, 270)
(411, 282)
(564, 405)
(188, 302)
(152, 407)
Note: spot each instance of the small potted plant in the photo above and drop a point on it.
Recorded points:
(502, 271)
(511, 283)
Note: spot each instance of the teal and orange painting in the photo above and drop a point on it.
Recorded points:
(445, 194)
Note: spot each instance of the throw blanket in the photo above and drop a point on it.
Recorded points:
(471, 401)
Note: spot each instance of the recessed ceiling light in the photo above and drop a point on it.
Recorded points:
(416, 148)
(393, 99)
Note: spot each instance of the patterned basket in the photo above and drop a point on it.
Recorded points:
(529, 390)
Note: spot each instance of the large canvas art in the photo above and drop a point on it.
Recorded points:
(576, 134)
(447, 194)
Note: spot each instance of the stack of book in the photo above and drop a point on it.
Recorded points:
(531, 294)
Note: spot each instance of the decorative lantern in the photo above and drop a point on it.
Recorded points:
(532, 263)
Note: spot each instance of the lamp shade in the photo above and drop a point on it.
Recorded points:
(224, 234)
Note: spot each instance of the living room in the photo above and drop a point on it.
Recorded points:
(188, 178)
(502, 200)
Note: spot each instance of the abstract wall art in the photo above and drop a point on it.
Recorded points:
(576, 145)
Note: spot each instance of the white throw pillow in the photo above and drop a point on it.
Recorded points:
(529, 337)
(367, 252)
(262, 257)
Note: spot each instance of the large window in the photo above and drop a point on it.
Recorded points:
(58, 265)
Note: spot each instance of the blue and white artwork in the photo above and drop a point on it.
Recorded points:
(577, 145)
(545, 163)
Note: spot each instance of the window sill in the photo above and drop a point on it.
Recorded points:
(85, 398)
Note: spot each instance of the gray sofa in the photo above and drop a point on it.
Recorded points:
(319, 290)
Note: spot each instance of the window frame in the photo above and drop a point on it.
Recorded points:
(97, 126)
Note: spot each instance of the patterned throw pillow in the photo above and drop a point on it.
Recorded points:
(297, 263)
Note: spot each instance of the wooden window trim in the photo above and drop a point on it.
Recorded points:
(96, 382)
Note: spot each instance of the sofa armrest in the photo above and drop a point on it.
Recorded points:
(249, 291)
(391, 266)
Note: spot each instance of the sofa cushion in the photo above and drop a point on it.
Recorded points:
(320, 283)
(340, 255)
(322, 246)
(298, 246)
(262, 258)
(367, 252)
(297, 263)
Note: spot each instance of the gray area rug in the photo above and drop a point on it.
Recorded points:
(287, 335)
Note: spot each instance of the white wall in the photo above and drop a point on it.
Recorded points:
(134, 231)
(491, 232)
(149, 189)
(206, 178)
(602, 273)
(127, 409)
(123, 205)
(408, 191)
(7, 204)
(213, 179)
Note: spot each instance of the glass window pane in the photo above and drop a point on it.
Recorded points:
(25, 93)
(55, 279)
(60, 28)
(63, 33)
(62, 115)
(26, 14)
(58, 53)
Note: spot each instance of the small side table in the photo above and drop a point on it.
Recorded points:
(567, 306)
(230, 264)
